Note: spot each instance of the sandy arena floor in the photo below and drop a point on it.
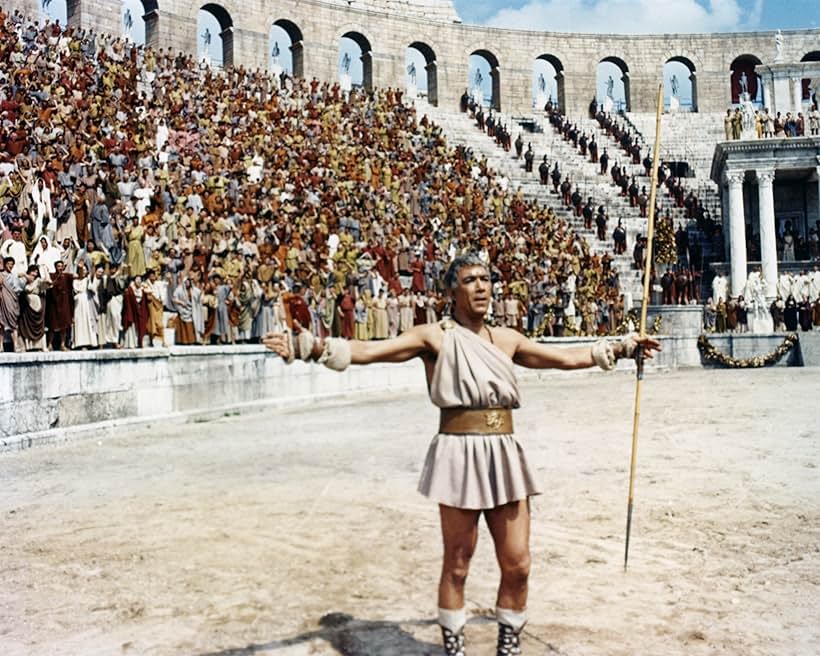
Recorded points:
(301, 533)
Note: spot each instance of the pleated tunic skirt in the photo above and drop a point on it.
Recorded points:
(474, 472)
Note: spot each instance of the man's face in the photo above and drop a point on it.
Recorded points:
(8, 265)
(473, 291)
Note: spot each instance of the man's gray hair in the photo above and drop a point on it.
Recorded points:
(459, 261)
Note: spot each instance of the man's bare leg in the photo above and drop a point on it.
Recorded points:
(510, 527)
(459, 532)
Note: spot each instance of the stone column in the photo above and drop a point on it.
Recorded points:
(737, 232)
(817, 176)
(797, 96)
(768, 230)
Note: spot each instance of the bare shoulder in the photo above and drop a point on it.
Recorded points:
(507, 339)
(430, 334)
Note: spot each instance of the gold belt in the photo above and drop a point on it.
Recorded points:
(481, 421)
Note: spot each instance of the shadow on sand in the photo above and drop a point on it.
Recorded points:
(350, 637)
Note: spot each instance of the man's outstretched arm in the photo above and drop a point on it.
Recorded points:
(533, 355)
(405, 347)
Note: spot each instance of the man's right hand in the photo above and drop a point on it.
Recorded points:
(279, 343)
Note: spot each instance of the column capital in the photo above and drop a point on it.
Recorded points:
(735, 177)
(765, 176)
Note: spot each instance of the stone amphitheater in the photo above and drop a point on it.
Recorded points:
(384, 29)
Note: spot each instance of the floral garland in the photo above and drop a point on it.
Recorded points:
(634, 317)
(710, 354)
(571, 329)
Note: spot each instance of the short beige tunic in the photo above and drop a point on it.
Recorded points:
(474, 471)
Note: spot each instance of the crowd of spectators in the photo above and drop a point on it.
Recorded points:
(795, 306)
(765, 125)
(144, 193)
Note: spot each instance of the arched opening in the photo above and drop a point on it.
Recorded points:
(484, 79)
(811, 86)
(140, 22)
(744, 80)
(680, 89)
(215, 35)
(421, 71)
(547, 82)
(612, 85)
(286, 48)
(66, 12)
(355, 61)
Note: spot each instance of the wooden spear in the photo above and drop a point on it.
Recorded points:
(650, 234)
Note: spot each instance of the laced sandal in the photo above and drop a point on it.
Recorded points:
(453, 642)
(508, 642)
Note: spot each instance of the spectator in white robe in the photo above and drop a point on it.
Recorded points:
(85, 309)
(45, 256)
(15, 249)
(162, 134)
(42, 210)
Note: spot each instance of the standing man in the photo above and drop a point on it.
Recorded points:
(12, 285)
(60, 308)
(529, 157)
(475, 432)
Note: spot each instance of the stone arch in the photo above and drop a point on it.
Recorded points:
(558, 69)
(745, 64)
(225, 21)
(151, 19)
(53, 11)
(297, 45)
(363, 42)
(495, 76)
(430, 68)
(691, 75)
(813, 56)
(146, 32)
(621, 66)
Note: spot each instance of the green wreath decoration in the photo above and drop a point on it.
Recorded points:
(710, 354)
(634, 316)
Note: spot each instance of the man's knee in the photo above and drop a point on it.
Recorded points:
(457, 563)
(515, 568)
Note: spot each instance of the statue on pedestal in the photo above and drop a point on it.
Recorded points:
(345, 81)
(128, 23)
(412, 88)
(541, 98)
(744, 84)
(778, 47)
(755, 293)
(478, 93)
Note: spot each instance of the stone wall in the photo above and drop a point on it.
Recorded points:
(48, 397)
(390, 26)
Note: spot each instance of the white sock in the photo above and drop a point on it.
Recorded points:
(454, 620)
(516, 619)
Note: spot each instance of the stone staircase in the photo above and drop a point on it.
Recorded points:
(687, 137)
(461, 129)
